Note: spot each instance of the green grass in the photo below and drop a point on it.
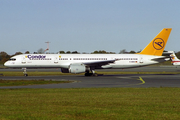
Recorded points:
(12, 73)
(29, 82)
(59, 73)
(90, 104)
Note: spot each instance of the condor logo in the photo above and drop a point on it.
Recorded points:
(36, 56)
(158, 43)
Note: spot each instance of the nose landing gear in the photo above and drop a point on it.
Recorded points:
(25, 73)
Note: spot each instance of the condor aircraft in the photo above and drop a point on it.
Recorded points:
(87, 63)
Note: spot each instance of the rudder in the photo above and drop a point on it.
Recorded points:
(157, 45)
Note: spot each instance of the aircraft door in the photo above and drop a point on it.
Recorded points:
(141, 59)
(56, 60)
(23, 60)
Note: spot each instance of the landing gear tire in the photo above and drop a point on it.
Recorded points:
(95, 74)
(90, 74)
(25, 75)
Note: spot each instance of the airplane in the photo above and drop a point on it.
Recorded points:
(88, 63)
(175, 61)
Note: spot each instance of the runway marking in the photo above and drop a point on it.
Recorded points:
(141, 80)
(134, 77)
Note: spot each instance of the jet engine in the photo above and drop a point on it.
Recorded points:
(75, 68)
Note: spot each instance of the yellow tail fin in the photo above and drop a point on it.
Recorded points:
(157, 45)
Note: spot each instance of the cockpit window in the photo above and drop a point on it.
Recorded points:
(12, 59)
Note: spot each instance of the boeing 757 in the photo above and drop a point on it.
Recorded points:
(88, 63)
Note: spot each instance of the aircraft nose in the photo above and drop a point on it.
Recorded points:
(6, 64)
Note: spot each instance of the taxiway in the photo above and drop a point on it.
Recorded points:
(128, 80)
(123, 80)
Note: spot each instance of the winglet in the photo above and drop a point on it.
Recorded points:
(157, 45)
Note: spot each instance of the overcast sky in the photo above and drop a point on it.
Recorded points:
(86, 25)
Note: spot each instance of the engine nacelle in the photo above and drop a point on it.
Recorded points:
(77, 68)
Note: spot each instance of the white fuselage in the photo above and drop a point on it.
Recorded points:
(64, 60)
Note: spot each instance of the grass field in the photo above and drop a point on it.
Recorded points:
(9, 73)
(29, 82)
(90, 103)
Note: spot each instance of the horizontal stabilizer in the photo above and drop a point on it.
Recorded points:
(162, 59)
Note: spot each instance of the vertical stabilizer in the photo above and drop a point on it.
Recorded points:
(157, 45)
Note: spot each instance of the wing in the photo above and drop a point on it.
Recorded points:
(99, 63)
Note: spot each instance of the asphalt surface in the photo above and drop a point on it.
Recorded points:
(169, 68)
(128, 80)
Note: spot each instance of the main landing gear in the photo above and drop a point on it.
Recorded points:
(25, 73)
(91, 74)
